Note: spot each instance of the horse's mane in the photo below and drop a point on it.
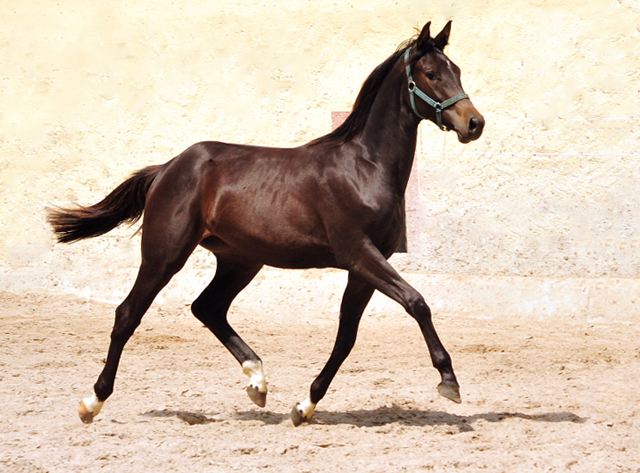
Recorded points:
(357, 119)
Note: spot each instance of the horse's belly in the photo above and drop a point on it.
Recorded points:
(283, 251)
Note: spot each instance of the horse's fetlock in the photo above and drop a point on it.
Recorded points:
(102, 390)
(442, 362)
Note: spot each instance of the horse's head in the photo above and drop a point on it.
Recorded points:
(435, 91)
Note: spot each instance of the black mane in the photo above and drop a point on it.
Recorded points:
(357, 119)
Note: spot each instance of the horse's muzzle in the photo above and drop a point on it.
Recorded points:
(469, 127)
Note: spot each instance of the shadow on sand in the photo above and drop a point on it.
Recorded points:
(415, 417)
(411, 417)
(199, 418)
(191, 418)
(376, 417)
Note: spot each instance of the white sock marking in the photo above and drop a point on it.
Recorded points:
(307, 408)
(93, 404)
(253, 369)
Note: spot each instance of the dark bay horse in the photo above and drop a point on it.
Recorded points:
(333, 202)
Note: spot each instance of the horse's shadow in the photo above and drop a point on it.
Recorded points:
(421, 418)
(376, 417)
(200, 418)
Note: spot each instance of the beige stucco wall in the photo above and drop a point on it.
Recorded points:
(540, 216)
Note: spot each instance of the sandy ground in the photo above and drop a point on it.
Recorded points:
(552, 395)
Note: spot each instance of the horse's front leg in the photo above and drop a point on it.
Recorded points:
(375, 269)
(355, 299)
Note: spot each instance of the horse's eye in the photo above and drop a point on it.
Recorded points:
(430, 75)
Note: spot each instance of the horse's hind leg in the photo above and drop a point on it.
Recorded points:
(160, 261)
(128, 317)
(355, 300)
(211, 307)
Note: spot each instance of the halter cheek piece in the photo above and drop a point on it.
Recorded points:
(414, 90)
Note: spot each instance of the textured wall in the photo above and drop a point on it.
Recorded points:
(549, 190)
(90, 91)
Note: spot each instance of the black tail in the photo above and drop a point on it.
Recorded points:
(124, 204)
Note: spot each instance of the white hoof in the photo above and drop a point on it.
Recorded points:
(89, 408)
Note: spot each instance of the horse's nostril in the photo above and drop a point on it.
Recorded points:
(473, 124)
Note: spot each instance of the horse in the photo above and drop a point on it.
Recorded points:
(336, 202)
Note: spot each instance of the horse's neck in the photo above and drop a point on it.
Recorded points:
(391, 132)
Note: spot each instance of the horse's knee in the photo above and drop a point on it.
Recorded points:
(418, 308)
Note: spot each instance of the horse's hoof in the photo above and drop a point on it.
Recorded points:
(450, 392)
(258, 398)
(89, 408)
(86, 416)
(302, 412)
(296, 416)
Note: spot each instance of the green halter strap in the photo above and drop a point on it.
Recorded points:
(414, 90)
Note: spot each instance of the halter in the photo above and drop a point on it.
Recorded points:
(439, 106)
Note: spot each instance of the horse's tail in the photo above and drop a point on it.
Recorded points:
(124, 204)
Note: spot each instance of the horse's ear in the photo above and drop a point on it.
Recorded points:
(425, 36)
(443, 37)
